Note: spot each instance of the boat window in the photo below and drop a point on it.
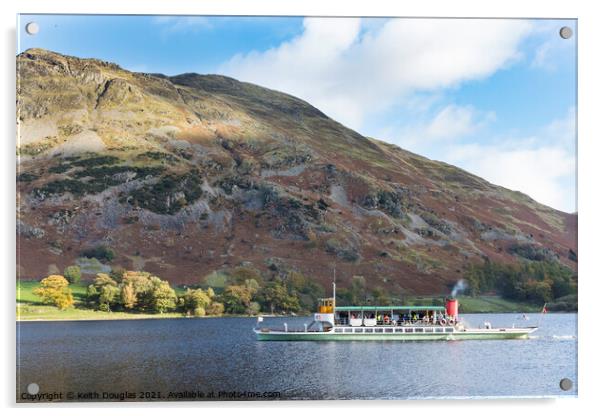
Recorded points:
(428, 329)
(398, 329)
(348, 329)
(388, 329)
(360, 330)
(438, 329)
(419, 330)
(338, 330)
(369, 330)
(378, 330)
(410, 330)
(449, 329)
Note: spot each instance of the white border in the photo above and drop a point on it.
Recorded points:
(589, 158)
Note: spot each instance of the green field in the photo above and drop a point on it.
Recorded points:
(494, 304)
(30, 308)
(477, 304)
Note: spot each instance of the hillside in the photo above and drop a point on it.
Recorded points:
(186, 175)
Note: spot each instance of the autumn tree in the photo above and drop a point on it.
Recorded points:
(54, 290)
(128, 296)
(140, 289)
(237, 298)
(216, 308)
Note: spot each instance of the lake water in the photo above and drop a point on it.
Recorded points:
(219, 358)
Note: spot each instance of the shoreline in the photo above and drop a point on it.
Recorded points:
(149, 317)
(133, 318)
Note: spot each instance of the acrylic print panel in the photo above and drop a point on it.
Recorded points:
(281, 208)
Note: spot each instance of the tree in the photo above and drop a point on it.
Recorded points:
(141, 286)
(210, 293)
(194, 300)
(252, 286)
(128, 296)
(243, 273)
(109, 295)
(532, 281)
(104, 292)
(54, 289)
(275, 297)
(117, 273)
(100, 253)
(254, 308)
(103, 279)
(237, 298)
(108, 292)
(305, 290)
(73, 274)
(216, 308)
(163, 297)
(91, 295)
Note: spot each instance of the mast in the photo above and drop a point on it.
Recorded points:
(334, 287)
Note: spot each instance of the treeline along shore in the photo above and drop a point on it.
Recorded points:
(246, 291)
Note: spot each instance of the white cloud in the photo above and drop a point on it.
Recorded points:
(450, 124)
(356, 70)
(351, 71)
(541, 166)
(455, 121)
(562, 132)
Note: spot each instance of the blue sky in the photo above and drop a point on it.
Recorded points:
(495, 97)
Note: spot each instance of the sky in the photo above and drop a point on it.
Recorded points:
(496, 97)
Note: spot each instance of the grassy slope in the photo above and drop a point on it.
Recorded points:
(493, 304)
(478, 304)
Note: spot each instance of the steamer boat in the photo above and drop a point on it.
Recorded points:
(381, 323)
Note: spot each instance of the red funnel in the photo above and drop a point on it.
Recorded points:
(451, 308)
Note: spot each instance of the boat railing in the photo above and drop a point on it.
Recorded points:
(355, 322)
